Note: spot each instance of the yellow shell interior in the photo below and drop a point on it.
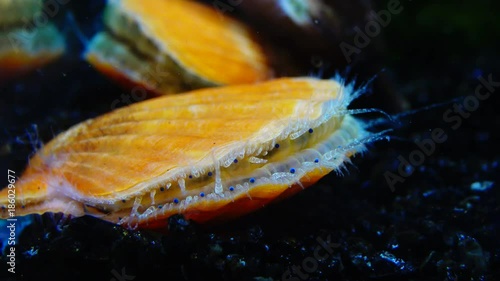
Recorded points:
(169, 46)
(199, 153)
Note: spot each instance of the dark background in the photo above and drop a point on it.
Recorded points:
(433, 226)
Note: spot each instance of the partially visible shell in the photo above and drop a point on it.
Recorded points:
(24, 45)
(210, 154)
(175, 45)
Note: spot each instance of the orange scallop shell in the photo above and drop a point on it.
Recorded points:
(169, 46)
(25, 46)
(210, 154)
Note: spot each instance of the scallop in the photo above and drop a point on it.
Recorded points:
(176, 45)
(26, 41)
(210, 154)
